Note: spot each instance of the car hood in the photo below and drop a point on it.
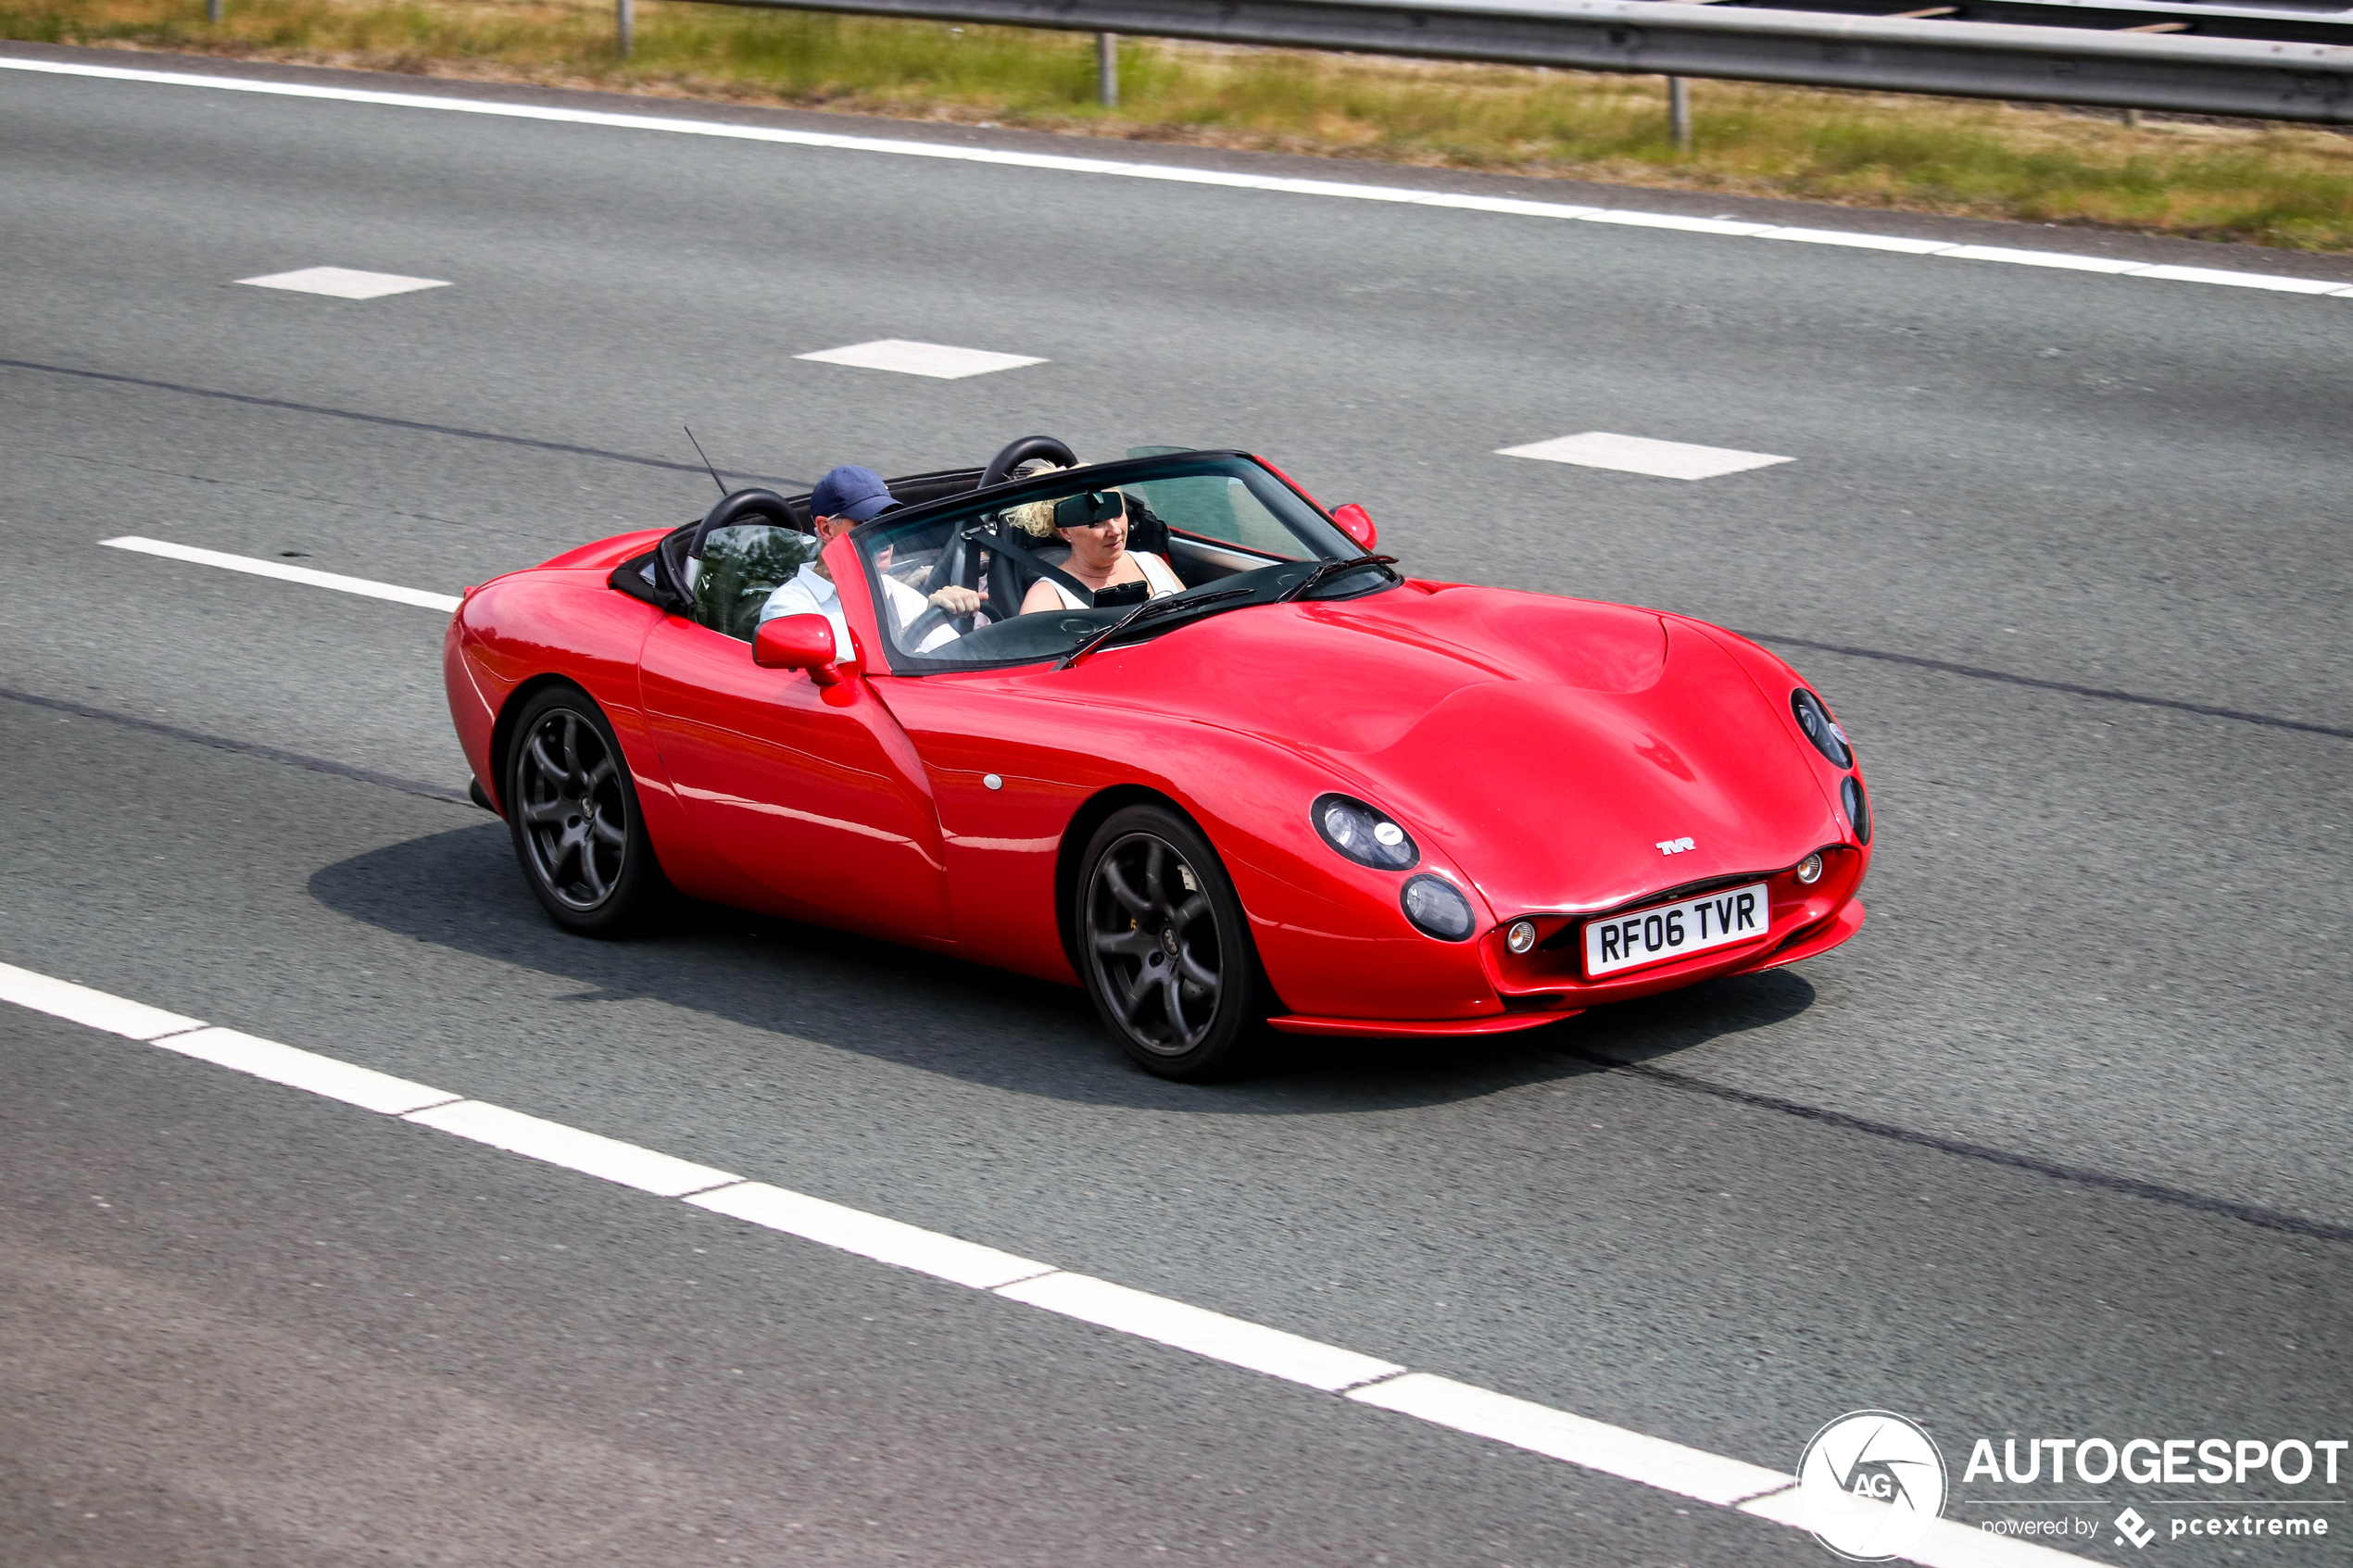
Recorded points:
(1545, 747)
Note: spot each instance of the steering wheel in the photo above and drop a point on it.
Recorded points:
(1020, 452)
(927, 622)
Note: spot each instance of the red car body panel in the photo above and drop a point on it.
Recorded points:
(1545, 754)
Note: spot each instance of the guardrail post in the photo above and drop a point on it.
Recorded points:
(212, 11)
(1107, 68)
(624, 26)
(1679, 112)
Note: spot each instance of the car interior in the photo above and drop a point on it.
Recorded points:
(721, 569)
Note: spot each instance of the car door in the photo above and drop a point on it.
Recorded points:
(813, 794)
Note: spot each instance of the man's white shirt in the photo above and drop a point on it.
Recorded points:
(809, 593)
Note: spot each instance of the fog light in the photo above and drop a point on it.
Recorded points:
(1521, 936)
(1809, 869)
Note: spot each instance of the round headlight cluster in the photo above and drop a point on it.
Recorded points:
(1809, 869)
(1858, 810)
(1521, 936)
(1438, 908)
(1363, 834)
(1815, 720)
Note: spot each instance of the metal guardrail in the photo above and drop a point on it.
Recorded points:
(2105, 59)
(2196, 18)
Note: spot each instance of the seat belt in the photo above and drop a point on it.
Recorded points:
(992, 540)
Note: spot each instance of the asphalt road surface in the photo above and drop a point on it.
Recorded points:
(2055, 1148)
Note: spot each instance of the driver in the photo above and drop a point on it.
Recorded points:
(1094, 524)
(847, 496)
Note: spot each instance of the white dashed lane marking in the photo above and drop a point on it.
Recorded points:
(342, 283)
(1670, 1467)
(1177, 174)
(1640, 453)
(910, 358)
(285, 573)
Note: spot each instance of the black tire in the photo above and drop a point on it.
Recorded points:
(1165, 947)
(572, 809)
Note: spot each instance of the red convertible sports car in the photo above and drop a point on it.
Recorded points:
(1305, 791)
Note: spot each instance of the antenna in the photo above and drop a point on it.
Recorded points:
(706, 462)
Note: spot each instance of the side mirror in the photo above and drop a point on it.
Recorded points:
(1358, 523)
(797, 642)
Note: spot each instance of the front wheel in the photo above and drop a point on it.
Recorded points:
(1165, 947)
(572, 809)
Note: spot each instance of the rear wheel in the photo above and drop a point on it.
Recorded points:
(1165, 947)
(572, 809)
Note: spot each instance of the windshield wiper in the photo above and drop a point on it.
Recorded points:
(1326, 572)
(1150, 609)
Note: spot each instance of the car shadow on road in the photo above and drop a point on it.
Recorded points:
(460, 890)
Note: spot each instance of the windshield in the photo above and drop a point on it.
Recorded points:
(1038, 572)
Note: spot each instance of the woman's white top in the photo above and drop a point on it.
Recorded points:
(1158, 575)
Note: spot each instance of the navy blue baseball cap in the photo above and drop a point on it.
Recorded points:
(851, 492)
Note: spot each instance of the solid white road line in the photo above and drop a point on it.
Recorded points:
(1002, 157)
(362, 1086)
(1640, 454)
(79, 1004)
(909, 358)
(870, 1235)
(1441, 1401)
(285, 573)
(1653, 1461)
(1204, 1333)
(591, 1154)
(343, 282)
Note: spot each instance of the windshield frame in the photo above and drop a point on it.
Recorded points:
(1101, 476)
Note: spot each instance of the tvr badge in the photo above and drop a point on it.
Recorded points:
(1675, 846)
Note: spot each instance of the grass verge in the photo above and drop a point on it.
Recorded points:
(2275, 185)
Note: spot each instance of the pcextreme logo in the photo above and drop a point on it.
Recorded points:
(1871, 1485)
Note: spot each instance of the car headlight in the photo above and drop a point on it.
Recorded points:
(1823, 731)
(1438, 908)
(1858, 810)
(1363, 834)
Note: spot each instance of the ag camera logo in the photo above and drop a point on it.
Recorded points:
(1871, 1485)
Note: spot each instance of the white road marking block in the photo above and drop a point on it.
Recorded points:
(1671, 1467)
(353, 1085)
(909, 358)
(1640, 454)
(342, 283)
(79, 1004)
(1460, 1407)
(870, 1235)
(285, 573)
(1205, 1333)
(591, 1154)
(1172, 173)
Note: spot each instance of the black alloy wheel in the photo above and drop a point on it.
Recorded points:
(1165, 947)
(573, 812)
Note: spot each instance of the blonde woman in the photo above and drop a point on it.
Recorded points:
(1094, 524)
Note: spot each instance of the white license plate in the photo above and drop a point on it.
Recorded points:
(1675, 931)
